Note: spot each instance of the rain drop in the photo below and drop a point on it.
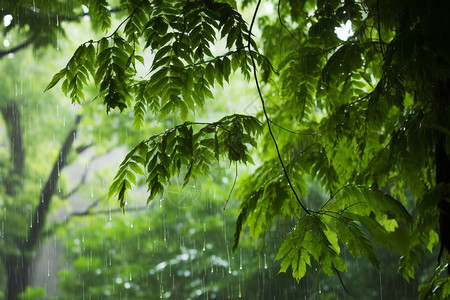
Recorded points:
(240, 259)
(7, 19)
(265, 261)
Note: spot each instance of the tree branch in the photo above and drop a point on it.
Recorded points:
(104, 211)
(78, 186)
(57, 225)
(49, 189)
(379, 28)
(282, 23)
(25, 44)
(79, 150)
(88, 212)
(31, 39)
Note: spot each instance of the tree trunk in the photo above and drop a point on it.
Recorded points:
(442, 97)
(11, 116)
(49, 190)
(16, 266)
(17, 274)
(443, 177)
(18, 262)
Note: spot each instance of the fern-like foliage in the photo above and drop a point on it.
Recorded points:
(76, 73)
(310, 237)
(183, 69)
(100, 13)
(180, 149)
(341, 219)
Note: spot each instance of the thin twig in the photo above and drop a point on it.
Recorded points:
(232, 188)
(265, 112)
(332, 196)
(291, 131)
(379, 28)
(216, 124)
(282, 24)
(120, 25)
(229, 53)
(342, 282)
(14, 49)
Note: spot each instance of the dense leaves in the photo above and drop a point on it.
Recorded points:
(165, 155)
(183, 69)
(366, 117)
(309, 238)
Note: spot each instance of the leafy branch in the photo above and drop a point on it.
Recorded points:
(179, 149)
(351, 207)
(183, 70)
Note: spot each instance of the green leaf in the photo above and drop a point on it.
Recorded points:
(140, 109)
(364, 201)
(161, 53)
(354, 239)
(136, 168)
(56, 78)
(308, 238)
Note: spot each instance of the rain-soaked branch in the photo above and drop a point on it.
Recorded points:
(88, 212)
(49, 189)
(30, 40)
(57, 225)
(78, 186)
(104, 211)
(14, 49)
(82, 181)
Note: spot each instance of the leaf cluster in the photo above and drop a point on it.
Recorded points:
(180, 149)
(183, 69)
(361, 117)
